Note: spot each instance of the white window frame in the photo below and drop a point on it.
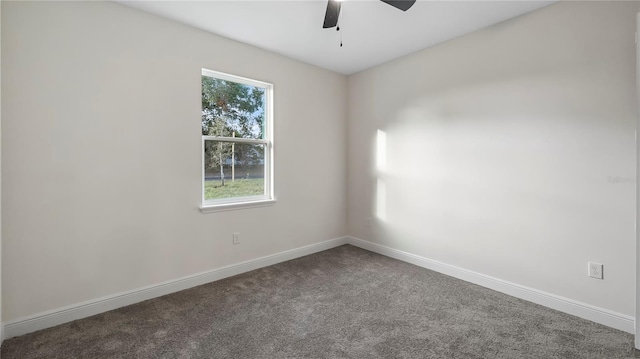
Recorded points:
(268, 198)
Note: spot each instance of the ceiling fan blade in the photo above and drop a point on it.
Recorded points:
(331, 16)
(403, 5)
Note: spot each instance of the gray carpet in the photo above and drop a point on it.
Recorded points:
(342, 303)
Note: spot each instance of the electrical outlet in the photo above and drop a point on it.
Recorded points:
(595, 270)
(236, 238)
(370, 222)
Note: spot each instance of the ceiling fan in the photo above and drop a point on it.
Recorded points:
(333, 10)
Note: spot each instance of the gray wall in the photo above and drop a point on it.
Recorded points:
(101, 154)
(509, 152)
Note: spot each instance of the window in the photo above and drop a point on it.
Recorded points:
(237, 146)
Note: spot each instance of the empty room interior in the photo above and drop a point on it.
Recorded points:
(360, 179)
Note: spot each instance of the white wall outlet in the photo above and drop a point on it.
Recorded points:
(236, 238)
(595, 270)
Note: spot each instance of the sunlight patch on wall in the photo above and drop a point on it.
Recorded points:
(381, 150)
(381, 186)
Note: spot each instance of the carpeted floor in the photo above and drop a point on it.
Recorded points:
(342, 303)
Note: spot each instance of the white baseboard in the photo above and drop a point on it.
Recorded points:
(599, 315)
(82, 310)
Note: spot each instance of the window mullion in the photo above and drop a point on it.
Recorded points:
(236, 139)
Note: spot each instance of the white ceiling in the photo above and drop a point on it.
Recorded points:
(372, 31)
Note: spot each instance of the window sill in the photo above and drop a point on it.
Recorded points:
(236, 205)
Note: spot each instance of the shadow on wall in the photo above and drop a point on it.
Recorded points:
(516, 166)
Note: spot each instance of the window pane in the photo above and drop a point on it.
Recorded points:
(232, 109)
(233, 170)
